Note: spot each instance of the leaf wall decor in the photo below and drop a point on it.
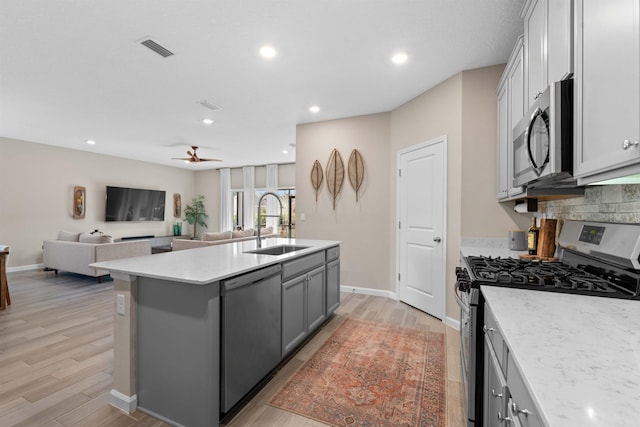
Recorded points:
(356, 170)
(335, 175)
(316, 177)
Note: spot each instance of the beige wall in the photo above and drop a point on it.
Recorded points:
(37, 187)
(362, 226)
(464, 109)
(481, 216)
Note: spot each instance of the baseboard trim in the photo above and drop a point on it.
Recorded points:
(369, 291)
(123, 402)
(450, 321)
(25, 268)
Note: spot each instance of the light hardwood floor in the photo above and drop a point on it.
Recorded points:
(56, 354)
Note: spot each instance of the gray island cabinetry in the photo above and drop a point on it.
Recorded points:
(303, 302)
(196, 330)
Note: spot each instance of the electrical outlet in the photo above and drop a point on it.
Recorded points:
(120, 305)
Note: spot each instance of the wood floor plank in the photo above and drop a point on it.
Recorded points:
(56, 356)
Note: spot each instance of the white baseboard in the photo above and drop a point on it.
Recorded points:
(25, 268)
(123, 402)
(369, 291)
(455, 324)
(449, 321)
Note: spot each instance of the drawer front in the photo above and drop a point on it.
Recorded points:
(333, 253)
(493, 334)
(526, 412)
(302, 265)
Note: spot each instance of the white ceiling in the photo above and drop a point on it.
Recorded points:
(72, 70)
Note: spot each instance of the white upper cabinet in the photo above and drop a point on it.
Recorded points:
(548, 44)
(510, 111)
(607, 89)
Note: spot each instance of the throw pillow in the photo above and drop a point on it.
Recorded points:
(243, 233)
(95, 238)
(68, 236)
(210, 236)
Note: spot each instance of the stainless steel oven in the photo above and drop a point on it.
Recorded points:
(596, 259)
(543, 139)
(468, 300)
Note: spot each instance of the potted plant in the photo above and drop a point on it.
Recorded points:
(195, 214)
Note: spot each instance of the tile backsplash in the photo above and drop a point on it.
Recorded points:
(607, 203)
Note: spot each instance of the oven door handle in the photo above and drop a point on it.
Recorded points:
(461, 303)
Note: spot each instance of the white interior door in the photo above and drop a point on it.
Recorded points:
(421, 215)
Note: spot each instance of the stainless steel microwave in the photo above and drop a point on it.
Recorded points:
(543, 139)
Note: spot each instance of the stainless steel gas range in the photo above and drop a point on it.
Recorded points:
(595, 259)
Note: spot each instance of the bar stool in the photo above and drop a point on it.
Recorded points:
(5, 298)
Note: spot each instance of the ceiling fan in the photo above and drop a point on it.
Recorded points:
(194, 158)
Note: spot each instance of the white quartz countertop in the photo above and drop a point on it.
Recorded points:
(205, 265)
(579, 355)
(491, 247)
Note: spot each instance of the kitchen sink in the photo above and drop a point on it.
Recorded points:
(277, 250)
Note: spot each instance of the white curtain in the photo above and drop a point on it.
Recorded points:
(226, 213)
(248, 175)
(273, 207)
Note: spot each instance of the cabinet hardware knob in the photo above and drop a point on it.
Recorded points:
(487, 330)
(437, 239)
(626, 144)
(517, 410)
(495, 395)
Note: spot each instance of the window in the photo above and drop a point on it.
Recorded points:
(238, 209)
(287, 220)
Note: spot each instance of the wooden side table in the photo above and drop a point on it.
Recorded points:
(5, 298)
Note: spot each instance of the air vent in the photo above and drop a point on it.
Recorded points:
(210, 105)
(156, 47)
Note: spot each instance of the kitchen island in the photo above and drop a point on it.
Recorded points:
(169, 322)
(578, 356)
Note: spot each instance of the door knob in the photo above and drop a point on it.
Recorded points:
(437, 239)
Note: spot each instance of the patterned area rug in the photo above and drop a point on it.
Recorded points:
(368, 374)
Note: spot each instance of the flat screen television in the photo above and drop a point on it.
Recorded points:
(134, 204)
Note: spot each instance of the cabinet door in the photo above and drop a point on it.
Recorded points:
(294, 314)
(503, 142)
(316, 312)
(333, 286)
(510, 112)
(494, 407)
(535, 29)
(559, 40)
(607, 85)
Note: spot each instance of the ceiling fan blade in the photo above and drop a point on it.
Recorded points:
(189, 159)
(200, 159)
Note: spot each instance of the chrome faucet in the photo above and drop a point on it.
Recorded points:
(260, 217)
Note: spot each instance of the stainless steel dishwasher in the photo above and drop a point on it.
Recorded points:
(250, 332)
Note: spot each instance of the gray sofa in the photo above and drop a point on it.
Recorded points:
(73, 252)
(220, 238)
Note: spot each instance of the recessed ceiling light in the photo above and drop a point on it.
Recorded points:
(207, 121)
(267, 52)
(314, 109)
(285, 151)
(399, 58)
(90, 141)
